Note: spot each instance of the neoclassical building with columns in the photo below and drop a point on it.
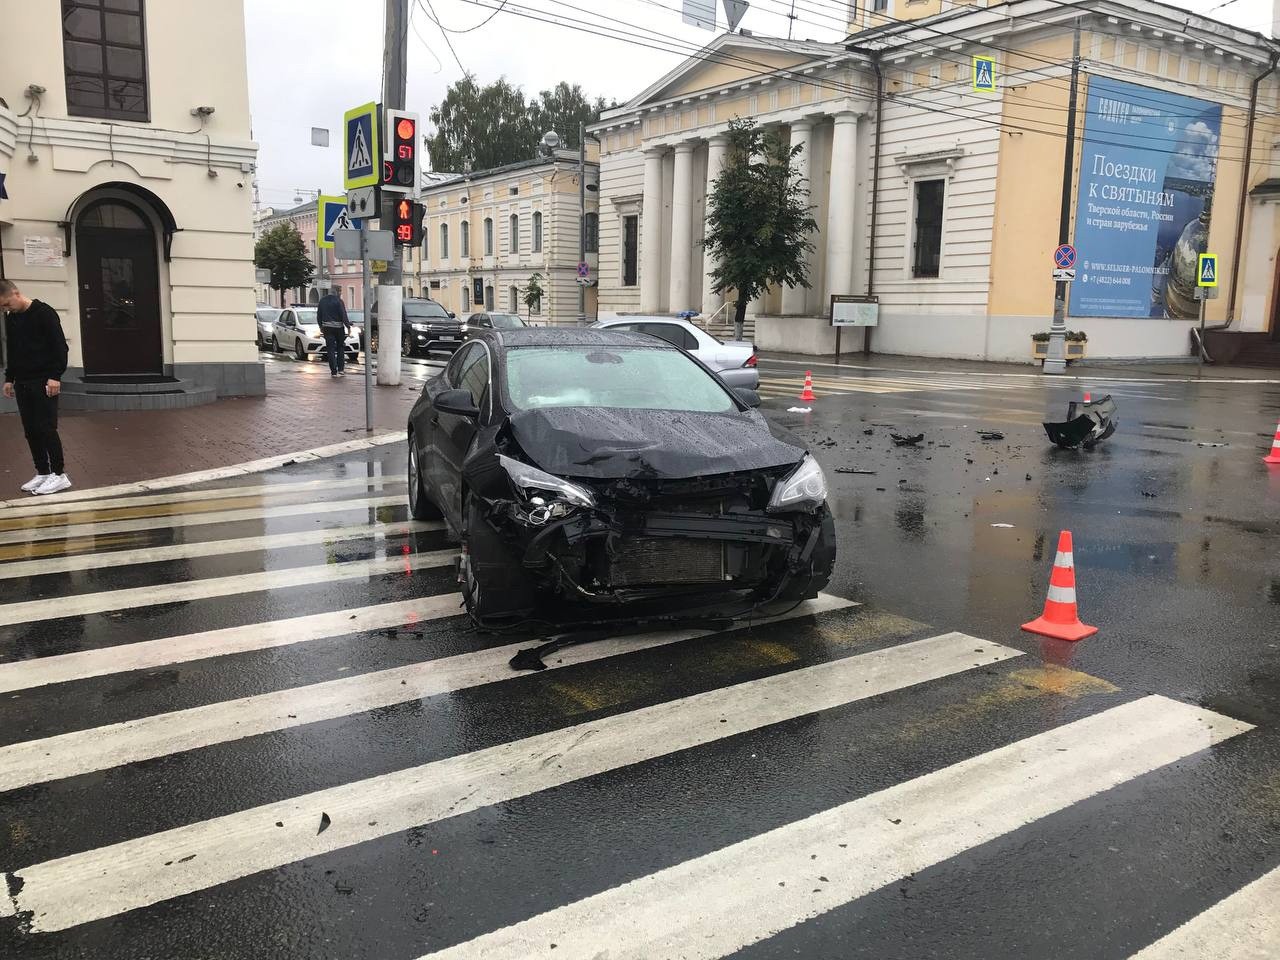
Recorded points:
(944, 201)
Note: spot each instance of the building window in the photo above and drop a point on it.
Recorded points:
(351, 296)
(444, 242)
(591, 227)
(488, 236)
(466, 298)
(513, 245)
(513, 300)
(537, 232)
(488, 298)
(927, 252)
(879, 6)
(466, 239)
(104, 57)
(536, 308)
(630, 249)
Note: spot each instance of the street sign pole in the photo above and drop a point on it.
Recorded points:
(366, 294)
(1056, 355)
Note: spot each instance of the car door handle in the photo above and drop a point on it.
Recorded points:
(435, 421)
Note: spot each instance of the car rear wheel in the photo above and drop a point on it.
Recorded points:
(420, 505)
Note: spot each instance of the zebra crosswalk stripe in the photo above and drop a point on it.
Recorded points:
(192, 496)
(84, 604)
(759, 887)
(147, 654)
(1244, 926)
(102, 528)
(134, 873)
(212, 548)
(99, 748)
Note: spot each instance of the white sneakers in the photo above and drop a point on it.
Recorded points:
(39, 478)
(53, 483)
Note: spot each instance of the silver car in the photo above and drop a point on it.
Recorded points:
(266, 318)
(733, 360)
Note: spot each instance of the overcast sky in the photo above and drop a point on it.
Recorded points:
(310, 60)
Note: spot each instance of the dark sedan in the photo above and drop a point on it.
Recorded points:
(590, 472)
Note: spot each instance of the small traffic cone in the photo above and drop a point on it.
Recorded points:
(1274, 456)
(807, 393)
(1088, 397)
(1060, 619)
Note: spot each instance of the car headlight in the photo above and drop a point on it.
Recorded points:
(532, 486)
(420, 327)
(805, 487)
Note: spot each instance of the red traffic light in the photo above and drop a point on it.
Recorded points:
(404, 128)
(405, 209)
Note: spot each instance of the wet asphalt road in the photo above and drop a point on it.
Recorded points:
(246, 720)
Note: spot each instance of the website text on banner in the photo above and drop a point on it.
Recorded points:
(1146, 194)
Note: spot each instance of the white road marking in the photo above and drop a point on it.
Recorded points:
(219, 473)
(148, 654)
(715, 905)
(101, 528)
(114, 879)
(212, 548)
(86, 604)
(99, 748)
(1040, 377)
(39, 508)
(1244, 926)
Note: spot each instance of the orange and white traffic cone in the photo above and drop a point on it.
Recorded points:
(807, 393)
(1274, 456)
(1088, 397)
(1060, 619)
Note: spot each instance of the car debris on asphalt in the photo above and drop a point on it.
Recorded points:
(1087, 423)
(901, 441)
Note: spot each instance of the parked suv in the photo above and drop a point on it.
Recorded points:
(427, 326)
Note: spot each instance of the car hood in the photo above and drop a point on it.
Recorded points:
(610, 444)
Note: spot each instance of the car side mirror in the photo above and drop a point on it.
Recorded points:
(747, 396)
(452, 315)
(457, 402)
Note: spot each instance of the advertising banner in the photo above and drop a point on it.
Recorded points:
(1146, 193)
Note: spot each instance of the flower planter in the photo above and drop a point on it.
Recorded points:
(1075, 349)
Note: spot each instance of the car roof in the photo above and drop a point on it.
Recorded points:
(574, 337)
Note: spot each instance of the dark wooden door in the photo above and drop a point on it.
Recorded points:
(119, 278)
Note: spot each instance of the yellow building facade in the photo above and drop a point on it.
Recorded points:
(943, 199)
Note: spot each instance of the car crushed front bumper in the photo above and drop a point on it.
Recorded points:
(650, 546)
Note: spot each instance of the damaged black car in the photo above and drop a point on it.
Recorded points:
(592, 475)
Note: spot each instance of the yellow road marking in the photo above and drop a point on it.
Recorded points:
(57, 548)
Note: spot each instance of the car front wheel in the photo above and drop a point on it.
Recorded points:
(275, 344)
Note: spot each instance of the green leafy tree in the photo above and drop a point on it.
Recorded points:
(533, 293)
(486, 126)
(561, 109)
(281, 251)
(760, 220)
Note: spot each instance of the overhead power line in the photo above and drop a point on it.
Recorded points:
(430, 12)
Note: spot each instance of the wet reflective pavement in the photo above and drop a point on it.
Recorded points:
(246, 719)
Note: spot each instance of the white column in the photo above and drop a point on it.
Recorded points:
(682, 229)
(793, 298)
(840, 206)
(651, 233)
(717, 148)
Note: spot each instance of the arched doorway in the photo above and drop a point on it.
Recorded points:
(119, 276)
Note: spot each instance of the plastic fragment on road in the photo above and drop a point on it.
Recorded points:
(1087, 423)
(901, 441)
(799, 409)
(1003, 526)
(990, 434)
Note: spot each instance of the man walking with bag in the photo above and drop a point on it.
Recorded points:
(37, 360)
(335, 326)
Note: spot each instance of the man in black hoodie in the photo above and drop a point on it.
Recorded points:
(37, 360)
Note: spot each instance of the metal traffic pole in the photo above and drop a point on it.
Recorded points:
(367, 293)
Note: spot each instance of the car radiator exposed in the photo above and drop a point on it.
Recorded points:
(645, 561)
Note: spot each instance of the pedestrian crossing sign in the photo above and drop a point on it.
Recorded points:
(984, 74)
(331, 215)
(1207, 276)
(360, 148)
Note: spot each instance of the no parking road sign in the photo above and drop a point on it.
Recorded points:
(1064, 263)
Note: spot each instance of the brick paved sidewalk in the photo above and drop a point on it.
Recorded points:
(303, 408)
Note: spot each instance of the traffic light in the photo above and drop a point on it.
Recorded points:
(407, 224)
(402, 165)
